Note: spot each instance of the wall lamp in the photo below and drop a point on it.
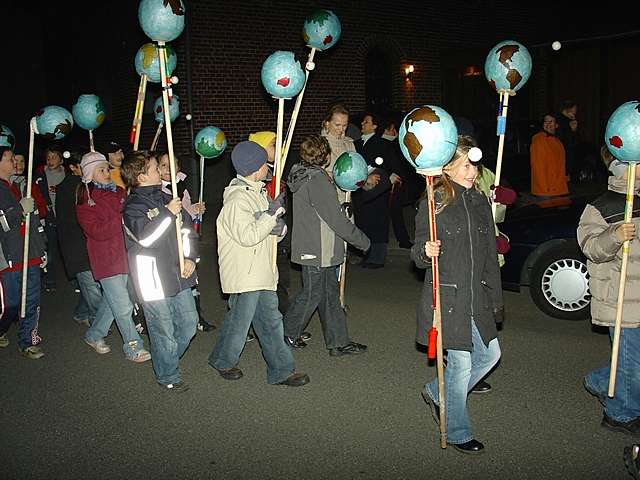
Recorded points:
(408, 73)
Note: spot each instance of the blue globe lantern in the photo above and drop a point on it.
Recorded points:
(162, 20)
(174, 109)
(350, 171)
(321, 30)
(210, 142)
(7, 138)
(282, 75)
(508, 66)
(88, 112)
(54, 123)
(147, 61)
(428, 138)
(622, 135)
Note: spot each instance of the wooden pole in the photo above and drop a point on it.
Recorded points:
(277, 171)
(91, 144)
(27, 220)
(437, 317)
(343, 266)
(134, 136)
(156, 137)
(502, 125)
(628, 215)
(172, 162)
(201, 195)
(296, 109)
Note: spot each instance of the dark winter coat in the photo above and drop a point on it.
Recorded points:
(73, 243)
(152, 244)
(371, 207)
(102, 225)
(12, 234)
(470, 286)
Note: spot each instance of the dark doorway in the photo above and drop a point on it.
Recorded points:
(378, 80)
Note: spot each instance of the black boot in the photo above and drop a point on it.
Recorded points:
(203, 325)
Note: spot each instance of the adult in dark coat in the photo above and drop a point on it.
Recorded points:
(73, 244)
(567, 132)
(371, 202)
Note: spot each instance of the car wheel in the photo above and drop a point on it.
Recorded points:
(560, 283)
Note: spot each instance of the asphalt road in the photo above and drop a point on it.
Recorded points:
(75, 414)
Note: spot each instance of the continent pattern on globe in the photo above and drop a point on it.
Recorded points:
(505, 54)
(350, 171)
(321, 30)
(210, 142)
(426, 114)
(54, 123)
(622, 134)
(7, 138)
(344, 166)
(508, 66)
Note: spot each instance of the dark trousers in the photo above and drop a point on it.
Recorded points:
(283, 262)
(320, 291)
(396, 205)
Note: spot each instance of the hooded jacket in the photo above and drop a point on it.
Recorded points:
(597, 239)
(320, 227)
(152, 244)
(470, 286)
(245, 243)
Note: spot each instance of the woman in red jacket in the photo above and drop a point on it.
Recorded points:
(99, 211)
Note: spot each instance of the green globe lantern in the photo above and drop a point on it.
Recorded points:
(88, 112)
(210, 142)
(147, 62)
(174, 109)
(350, 171)
(321, 30)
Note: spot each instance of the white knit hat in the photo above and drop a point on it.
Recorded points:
(90, 161)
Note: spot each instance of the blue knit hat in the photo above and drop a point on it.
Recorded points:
(247, 157)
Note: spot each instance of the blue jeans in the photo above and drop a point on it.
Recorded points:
(259, 308)
(10, 298)
(464, 370)
(116, 305)
(90, 297)
(625, 405)
(172, 323)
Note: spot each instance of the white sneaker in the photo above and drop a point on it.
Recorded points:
(99, 346)
(140, 356)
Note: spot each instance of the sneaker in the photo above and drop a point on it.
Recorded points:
(50, 289)
(632, 427)
(139, 356)
(632, 460)
(99, 346)
(250, 337)
(4, 341)
(297, 343)
(204, 326)
(305, 336)
(81, 321)
(178, 387)
(33, 352)
(351, 348)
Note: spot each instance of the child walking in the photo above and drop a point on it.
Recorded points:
(470, 291)
(320, 229)
(99, 211)
(245, 227)
(152, 245)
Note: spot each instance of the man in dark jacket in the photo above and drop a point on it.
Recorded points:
(371, 202)
(13, 209)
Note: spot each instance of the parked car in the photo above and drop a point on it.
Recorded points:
(545, 255)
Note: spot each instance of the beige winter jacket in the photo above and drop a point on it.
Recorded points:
(338, 145)
(604, 256)
(245, 243)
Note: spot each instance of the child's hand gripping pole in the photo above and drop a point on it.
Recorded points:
(437, 318)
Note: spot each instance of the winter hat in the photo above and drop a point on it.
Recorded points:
(262, 138)
(106, 148)
(247, 157)
(91, 161)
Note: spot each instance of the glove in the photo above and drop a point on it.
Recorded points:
(502, 244)
(347, 208)
(280, 229)
(503, 195)
(498, 316)
(27, 204)
(277, 206)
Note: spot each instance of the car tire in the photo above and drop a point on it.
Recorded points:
(559, 283)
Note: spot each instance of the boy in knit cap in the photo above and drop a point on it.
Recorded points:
(99, 212)
(161, 284)
(245, 227)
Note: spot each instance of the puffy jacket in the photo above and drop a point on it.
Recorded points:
(245, 243)
(73, 243)
(320, 227)
(603, 250)
(12, 234)
(470, 286)
(152, 244)
(101, 222)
